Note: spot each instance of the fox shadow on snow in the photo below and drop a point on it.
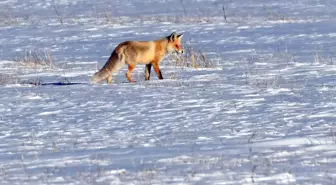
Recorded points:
(62, 84)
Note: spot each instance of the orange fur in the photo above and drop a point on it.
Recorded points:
(139, 52)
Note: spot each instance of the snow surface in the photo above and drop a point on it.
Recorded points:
(265, 115)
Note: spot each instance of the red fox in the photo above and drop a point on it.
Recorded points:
(139, 52)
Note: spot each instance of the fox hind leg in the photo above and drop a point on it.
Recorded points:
(129, 73)
(109, 79)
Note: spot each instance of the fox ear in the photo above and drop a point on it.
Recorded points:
(172, 36)
(180, 36)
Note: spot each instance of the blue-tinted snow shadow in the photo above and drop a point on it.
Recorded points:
(62, 84)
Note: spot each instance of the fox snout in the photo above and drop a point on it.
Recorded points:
(177, 51)
(170, 49)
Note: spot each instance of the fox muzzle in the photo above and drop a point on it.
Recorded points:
(179, 51)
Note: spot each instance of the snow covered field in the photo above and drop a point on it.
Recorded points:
(266, 114)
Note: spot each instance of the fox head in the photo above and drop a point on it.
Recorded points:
(174, 43)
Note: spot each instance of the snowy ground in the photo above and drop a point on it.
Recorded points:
(264, 115)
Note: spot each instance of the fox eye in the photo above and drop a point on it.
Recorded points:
(176, 46)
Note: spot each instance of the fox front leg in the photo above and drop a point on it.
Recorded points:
(148, 71)
(157, 70)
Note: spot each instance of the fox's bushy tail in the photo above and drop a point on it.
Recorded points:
(114, 64)
(99, 76)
